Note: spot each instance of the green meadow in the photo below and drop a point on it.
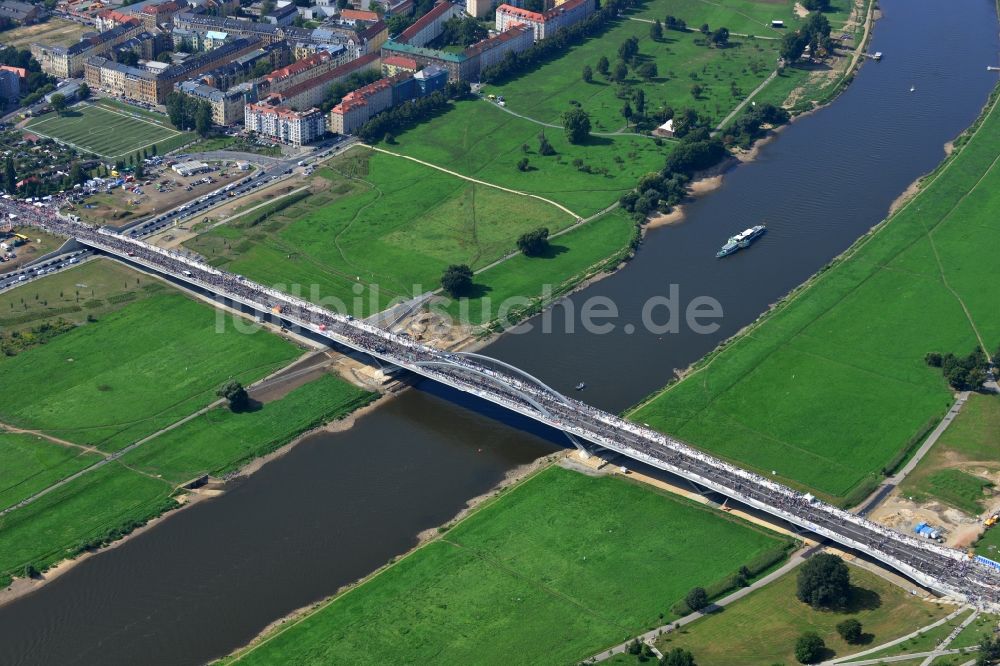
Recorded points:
(831, 387)
(29, 463)
(552, 571)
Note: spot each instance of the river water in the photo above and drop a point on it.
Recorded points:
(340, 505)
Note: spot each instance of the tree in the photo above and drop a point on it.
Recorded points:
(522, 164)
(696, 90)
(656, 31)
(164, 57)
(130, 58)
(989, 651)
(58, 103)
(398, 23)
(234, 392)
(9, 176)
(809, 648)
(620, 73)
(534, 243)
(647, 70)
(603, 66)
(629, 49)
(824, 582)
(720, 37)
(152, 150)
(678, 657)
(544, 147)
(456, 280)
(83, 92)
(792, 46)
(588, 74)
(704, 29)
(627, 112)
(30, 571)
(696, 599)
(462, 31)
(640, 102)
(817, 5)
(262, 68)
(76, 174)
(140, 171)
(203, 119)
(576, 122)
(850, 631)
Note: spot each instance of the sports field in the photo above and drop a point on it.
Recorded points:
(108, 132)
(762, 628)
(132, 372)
(377, 220)
(832, 386)
(550, 572)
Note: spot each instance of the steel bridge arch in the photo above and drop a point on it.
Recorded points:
(521, 394)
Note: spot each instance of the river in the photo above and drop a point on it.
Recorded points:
(338, 506)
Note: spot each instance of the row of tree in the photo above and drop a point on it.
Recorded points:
(414, 111)
(37, 83)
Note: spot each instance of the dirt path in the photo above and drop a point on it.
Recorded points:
(6, 427)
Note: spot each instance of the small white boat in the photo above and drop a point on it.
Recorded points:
(913, 88)
(580, 386)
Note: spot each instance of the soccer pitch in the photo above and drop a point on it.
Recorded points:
(106, 132)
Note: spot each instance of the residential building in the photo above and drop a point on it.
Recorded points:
(21, 13)
(202, 24)
(66, 62)
(283, 124)
(312, 92)
(10, 85)
(302, 70)
(392, 65)
(544, 24)
(353, 16)
(146, 85)
(227, 106)
(111, 18)
(243, 68)
(430, 25)
(360, 106)
(284, 15)
(492, 50)
(161, 15)
(430, 79)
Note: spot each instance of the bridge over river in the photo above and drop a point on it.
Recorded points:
(947, 571)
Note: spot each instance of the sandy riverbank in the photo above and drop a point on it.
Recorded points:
(913, 188)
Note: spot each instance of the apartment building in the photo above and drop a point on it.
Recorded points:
(283, 124)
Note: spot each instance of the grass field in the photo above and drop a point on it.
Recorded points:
(29, 464)
(106, 131)
(380, 220)
(551, 572)
(112, 499)
(751, 17)
(96, 287)
(54, 32)
(478, 139)
(969, 443)
(762, 628)
(853, 342)
(726, 76)
(922, 642)
(109, 502)
(220, 440)
(584, 251)
(134, 371)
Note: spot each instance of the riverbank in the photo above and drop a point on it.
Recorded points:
(542, 551)
(787, 363)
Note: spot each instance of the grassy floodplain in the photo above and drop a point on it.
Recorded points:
(29, 464)
(382, 220)
(752, 17)
(480, 140)
(552, 571)
(106, 131)
(969, 444)
(762, 628)
(134, 371)
(852, 342)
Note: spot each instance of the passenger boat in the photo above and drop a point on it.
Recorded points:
(580, 386)
(741, 240)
